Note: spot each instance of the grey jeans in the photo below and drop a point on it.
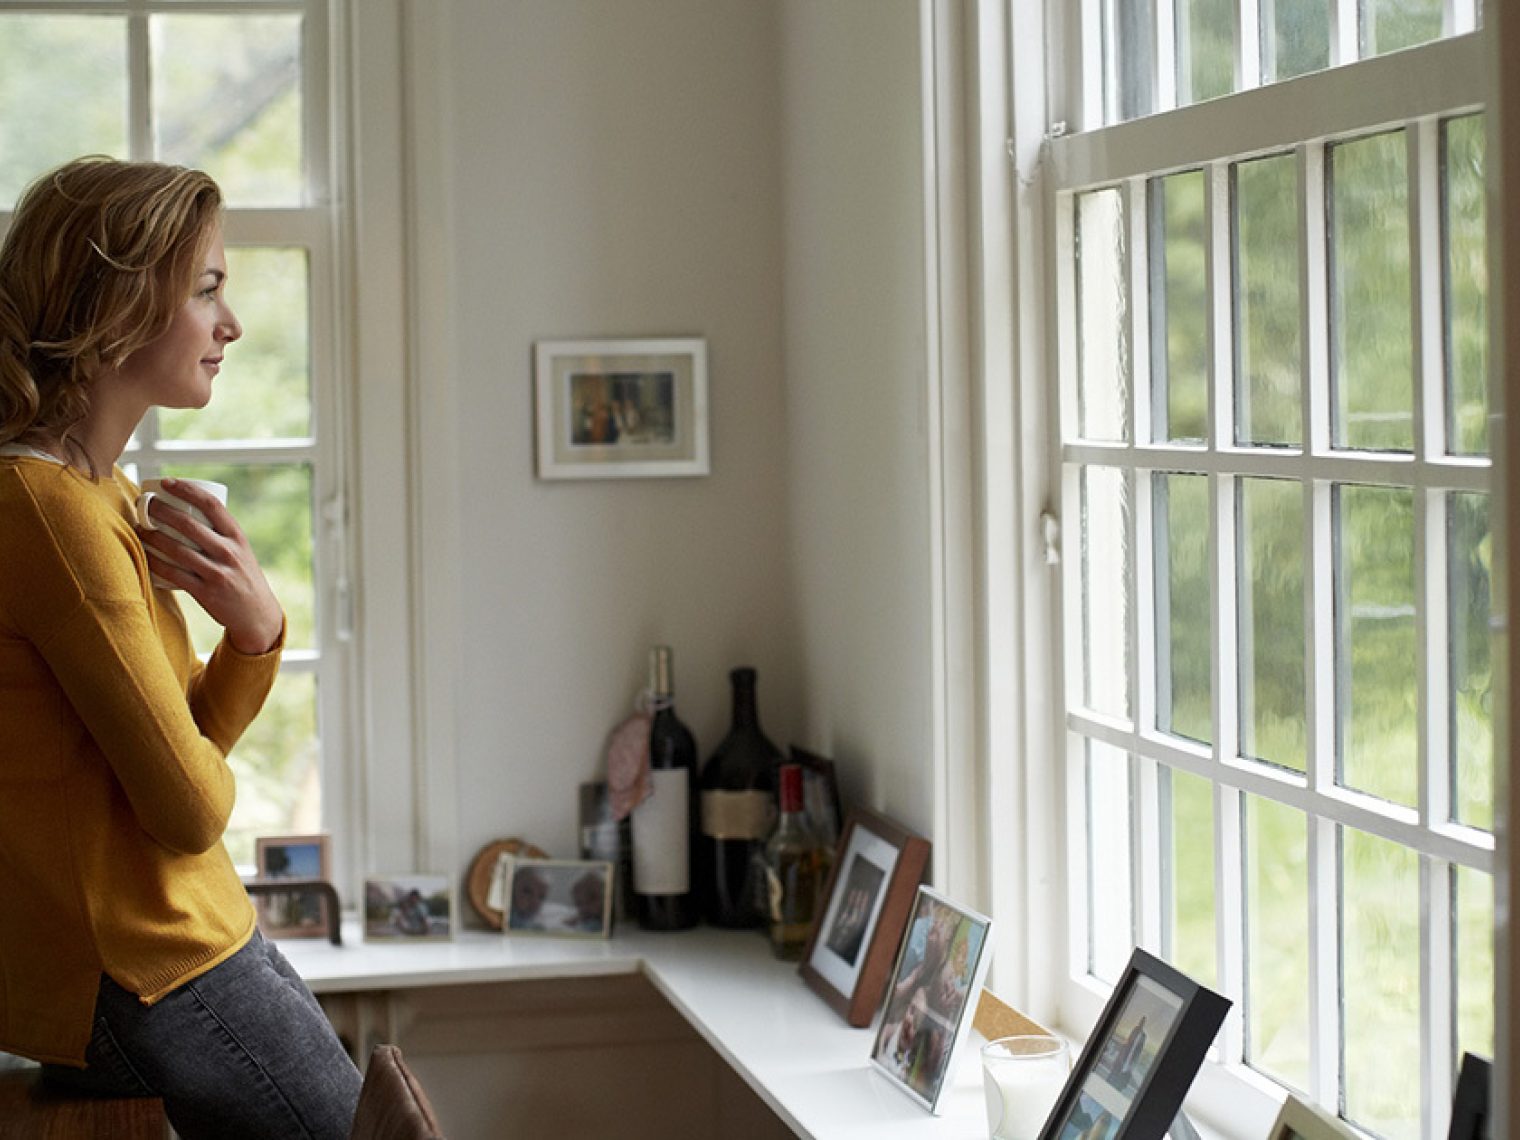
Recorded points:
(243, 1052)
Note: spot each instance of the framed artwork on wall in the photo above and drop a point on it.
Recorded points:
(615, 409)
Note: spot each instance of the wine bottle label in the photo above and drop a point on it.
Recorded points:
(661, 852)
(737, 815)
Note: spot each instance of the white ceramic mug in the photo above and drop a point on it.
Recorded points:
(154, 489)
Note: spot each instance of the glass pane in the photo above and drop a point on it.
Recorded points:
(1380, 1007)
(1129, 36)
(1268, 361)
(227, 99)
(1466, 279)
(273, 506)
(1375, 641)
(1295, 38)
(1205, 49)
(264, 390)
(1190, 936)
(1102, 308)
(1273, 684)
(1473, 900)
(279, 769)
(1105, 589)
(1390, 25)
(1183, 623)
(1470, 550)
(1110, 910)
(75, 104)
(1179, 309)
(1277, 941)
(1372, 356)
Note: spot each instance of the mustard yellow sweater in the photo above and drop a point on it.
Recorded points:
(114, 784)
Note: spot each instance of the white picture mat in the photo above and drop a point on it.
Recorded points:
(879, 853)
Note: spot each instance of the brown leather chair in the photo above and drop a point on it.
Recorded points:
(392, 1105)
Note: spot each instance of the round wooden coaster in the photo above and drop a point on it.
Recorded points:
(483, 866)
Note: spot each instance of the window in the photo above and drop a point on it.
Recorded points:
(1275, 469)
(238, 89)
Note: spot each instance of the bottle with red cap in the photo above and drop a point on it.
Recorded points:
(795, 865)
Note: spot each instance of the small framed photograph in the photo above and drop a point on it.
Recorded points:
(932, 997)
(867, 899)
(408, 908)
(562, 898)
(820, 794)
(1300, 1120)
(295, 913)
(612, 409)
(1469, 1104)
(1142, 1056)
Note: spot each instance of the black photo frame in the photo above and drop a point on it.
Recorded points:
(1469, 1104)
(1142, 1056)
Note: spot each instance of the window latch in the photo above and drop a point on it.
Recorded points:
(1050, 537)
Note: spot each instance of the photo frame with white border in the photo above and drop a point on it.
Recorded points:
(556, 898)
(932, 997)
(408, 908)
(295, 913)
(613, 409)
(878, 865)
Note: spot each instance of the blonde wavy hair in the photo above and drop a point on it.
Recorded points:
(99, 257)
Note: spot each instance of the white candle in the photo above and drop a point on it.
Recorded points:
(1022, 1077)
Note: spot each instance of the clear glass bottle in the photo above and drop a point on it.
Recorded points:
(795, 865)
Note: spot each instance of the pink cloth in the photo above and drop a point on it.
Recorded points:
(628, 764)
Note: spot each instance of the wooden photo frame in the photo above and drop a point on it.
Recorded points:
(1142, 1056)
(932, 998)
(408, 908)
(613, 409)
(294, 913)
(868, 897)
(1300, 1120)
(1470, 1102)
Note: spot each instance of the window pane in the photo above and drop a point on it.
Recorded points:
(1131, 50)
(1205, 49)
(1473, 893)
(75, 103)
(1105, 589)
(1277, 942)
(1375, 641)
(1295, 38)
(227, 99)
(1268, 362)
(1390, 25)
(1271, 621)
(1466, 280)
(1191, 945)
(1372, 356)
(1110, 910)
(1102, 308)
(273, 506)
(1470, 550)
(264, 390)
(1179, 309)
(278, 767)
(1183, 625)
(1380, 1007)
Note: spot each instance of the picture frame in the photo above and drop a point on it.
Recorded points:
(408, 908)
(557, 898)
(1142, 1056)
(295, 913)
(867, 898)
(1300, 1120)
(612, 409)
(820, 794)
(1471, 1100)
(932, 997)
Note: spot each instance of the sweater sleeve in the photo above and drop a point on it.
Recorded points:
(92, 622)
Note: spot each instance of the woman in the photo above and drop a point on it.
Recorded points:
(129, 950)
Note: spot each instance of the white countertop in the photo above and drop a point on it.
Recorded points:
(811, 1068)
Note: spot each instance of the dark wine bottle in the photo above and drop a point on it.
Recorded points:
(665, 824)
(738, 814)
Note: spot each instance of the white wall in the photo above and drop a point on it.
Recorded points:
(745, 171)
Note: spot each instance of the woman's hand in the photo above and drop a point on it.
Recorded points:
(223, 576)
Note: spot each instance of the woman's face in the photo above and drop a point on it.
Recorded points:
(528, 893)
(176, 370)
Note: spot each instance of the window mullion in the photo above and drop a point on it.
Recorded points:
(1166, 83)
(1345, 32)
(1325, 965)
(139, 84)
(1248, 45)
(1438, 1036)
